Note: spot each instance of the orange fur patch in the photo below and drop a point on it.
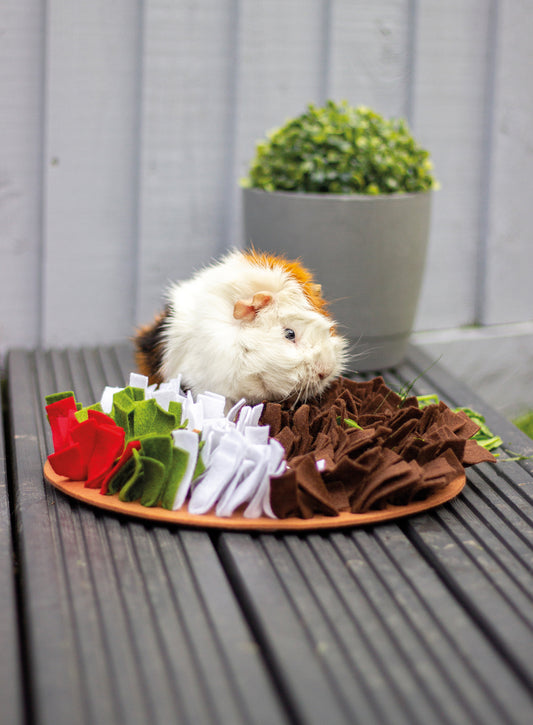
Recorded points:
(144, 368)
(296, 270)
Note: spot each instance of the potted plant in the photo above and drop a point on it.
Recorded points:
(349, 193)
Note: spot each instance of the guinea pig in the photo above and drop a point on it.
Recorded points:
(250, 326)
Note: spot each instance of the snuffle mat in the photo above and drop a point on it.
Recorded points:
(359, 455)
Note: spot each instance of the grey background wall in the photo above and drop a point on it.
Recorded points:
(125, 126)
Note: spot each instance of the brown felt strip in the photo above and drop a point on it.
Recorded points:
(272, 417)
(286, 437)
(284, 495)
(398, 490)
(338, 495)
(474, 453)
(310, 481)
(401, 453)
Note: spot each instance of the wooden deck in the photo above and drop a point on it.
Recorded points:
(106, 619)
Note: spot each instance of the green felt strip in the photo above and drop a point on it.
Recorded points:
(158, 447)
(176, 470)
(124, 398)
(175, 409)
(122, 412)
(126, 477)
(54, 397)
(83, 413)
(350, 423)
(149, 417)
(134, 393)
(154, 475)
(200, 465)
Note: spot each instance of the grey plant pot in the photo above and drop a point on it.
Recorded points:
(367, 252)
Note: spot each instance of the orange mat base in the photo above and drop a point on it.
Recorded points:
(237, 522)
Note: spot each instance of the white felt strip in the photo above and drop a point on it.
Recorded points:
(138, 381)
(173, 384)
(238, 455)
(106, 401)
(230, 500)
(187, 441)
(260, 503)
(257, 434)
(223, 465)
(244, 485)
(255, 507)
(233, 412)
(163, 397)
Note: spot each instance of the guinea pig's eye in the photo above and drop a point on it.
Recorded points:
(289, 334)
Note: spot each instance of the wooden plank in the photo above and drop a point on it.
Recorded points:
(479, 679)
(369, 54)
(238, 651)
(150, 628)
(429, 629)
(21, 52)
(337, 597)
(451, 108)
(125, 359)
(90, 175)
(394, 645)
(55, 683)
(485, 577)
(305, 679)
(481, 542)
(493, 360)
(280, 68)
(11, 682)
(188, 107)
(508, 294)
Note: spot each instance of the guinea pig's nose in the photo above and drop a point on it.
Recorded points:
(323, 372)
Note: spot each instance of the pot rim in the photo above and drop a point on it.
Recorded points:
(323, 196)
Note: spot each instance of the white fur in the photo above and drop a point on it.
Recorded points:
(248, 359)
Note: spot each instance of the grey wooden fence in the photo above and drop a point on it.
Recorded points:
(126, 124)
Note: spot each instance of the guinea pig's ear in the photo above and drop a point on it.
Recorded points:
(247, 309)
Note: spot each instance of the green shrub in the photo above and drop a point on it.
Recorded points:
(339, 149)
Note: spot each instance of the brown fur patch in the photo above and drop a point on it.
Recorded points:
(149, 348)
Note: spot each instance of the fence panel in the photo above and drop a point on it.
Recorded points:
(451, 109)
(21, 47)
(125, 128)
(187, 113)
(508, 290)
(90, 162)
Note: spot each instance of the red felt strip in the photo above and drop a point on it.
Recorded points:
(100, 418)
(108, 445)
(61, 416)
(69, 462)
(61, 408)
